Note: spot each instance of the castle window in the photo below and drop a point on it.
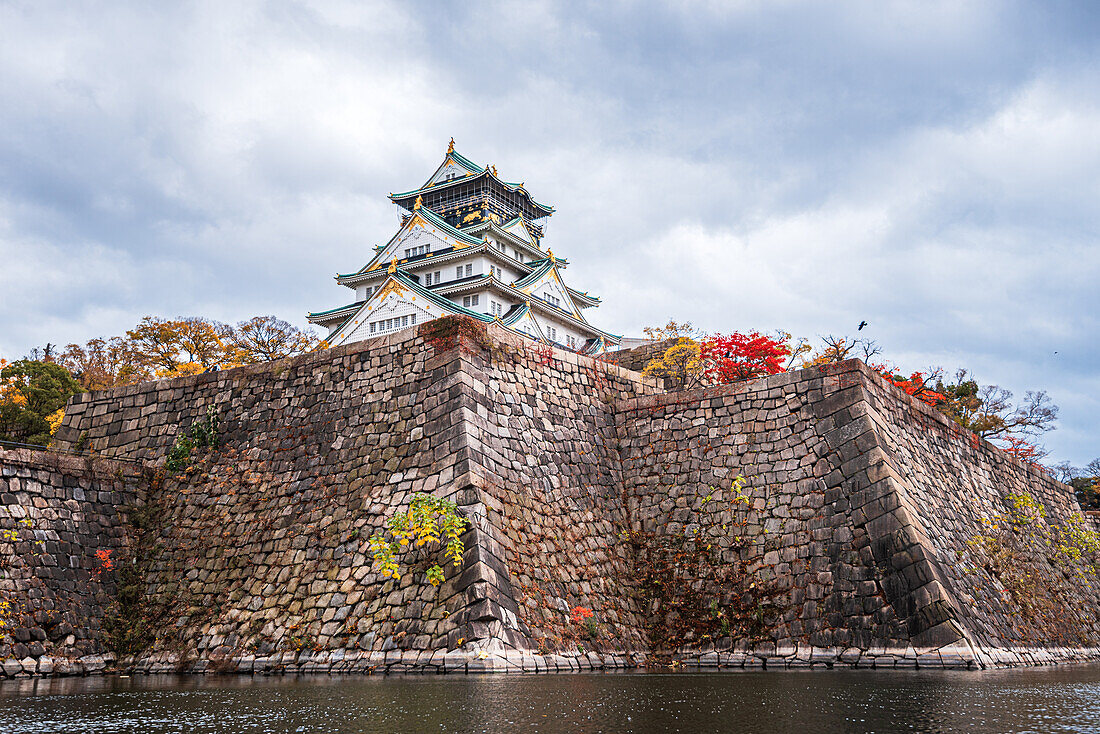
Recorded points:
(469, 270)
(372, 327)
(458, 272)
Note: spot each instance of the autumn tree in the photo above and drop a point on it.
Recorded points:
(737, 356)
(104, 363)
(679, 364)
(266, 338)
(32, 399)
(692, 359)
(672, 330)
(839, 348)
(204, 342)
(170, 347)
(1085, 481)
(990, 412)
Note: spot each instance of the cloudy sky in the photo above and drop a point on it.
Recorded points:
(933, 168)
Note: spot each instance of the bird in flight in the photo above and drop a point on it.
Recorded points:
(861, 325)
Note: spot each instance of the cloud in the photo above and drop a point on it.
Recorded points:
(931, 168)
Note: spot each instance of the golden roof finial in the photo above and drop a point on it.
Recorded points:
(494, 168)
(419, 202)
(393, 266)
(550, 253)
(451, 146)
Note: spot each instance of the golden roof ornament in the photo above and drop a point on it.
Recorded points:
(551, 254)
(418, 203)
(393, 266)
(494, 168)
(451, 146)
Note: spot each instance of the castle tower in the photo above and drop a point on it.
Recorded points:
(469, 244)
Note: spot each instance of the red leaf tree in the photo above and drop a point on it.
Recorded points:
(737, 356)
(917, 384)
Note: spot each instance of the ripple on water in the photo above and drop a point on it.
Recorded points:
(1040, 700)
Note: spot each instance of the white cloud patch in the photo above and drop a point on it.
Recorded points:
(932, 169)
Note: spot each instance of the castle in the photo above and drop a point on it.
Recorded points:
(468, 245)
(815, 518)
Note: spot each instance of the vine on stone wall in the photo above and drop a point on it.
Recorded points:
(11, 606)
(202, 434)
(429, 520)
(131, 623)
(1035, 562)
(695, 594)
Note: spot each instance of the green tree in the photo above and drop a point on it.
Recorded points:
(32, 396)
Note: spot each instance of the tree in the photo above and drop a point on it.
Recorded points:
(679, 363)
(990, 413)
(102, 364)
(672, 330)
(171, 347)
(839, 348)
(917, 384)
(1085, 481)
(205, 342)
(32, 397)
(266, 338)
(737, 356)
(692, 359)
(155, 344)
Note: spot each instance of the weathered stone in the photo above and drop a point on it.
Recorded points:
(847, 529)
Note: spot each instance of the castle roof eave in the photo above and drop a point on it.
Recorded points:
(405, 196)
(489, 281)
(407, 282)
(352, 279)
(333, 314)
(428, 215)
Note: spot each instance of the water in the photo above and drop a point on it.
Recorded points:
(1033, 700)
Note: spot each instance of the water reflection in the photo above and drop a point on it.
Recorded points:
(1035, 700)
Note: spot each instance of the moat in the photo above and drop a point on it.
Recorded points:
(1047, 699)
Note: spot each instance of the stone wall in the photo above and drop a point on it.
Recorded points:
(56, 512)
(948, 484)
(846, 540)
(857, 520)
(264, 558)
(637, 358)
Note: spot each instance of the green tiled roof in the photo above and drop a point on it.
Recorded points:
(314, 314)
(439, 300)
(476, 170)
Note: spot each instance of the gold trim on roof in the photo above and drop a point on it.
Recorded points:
(391, 286)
